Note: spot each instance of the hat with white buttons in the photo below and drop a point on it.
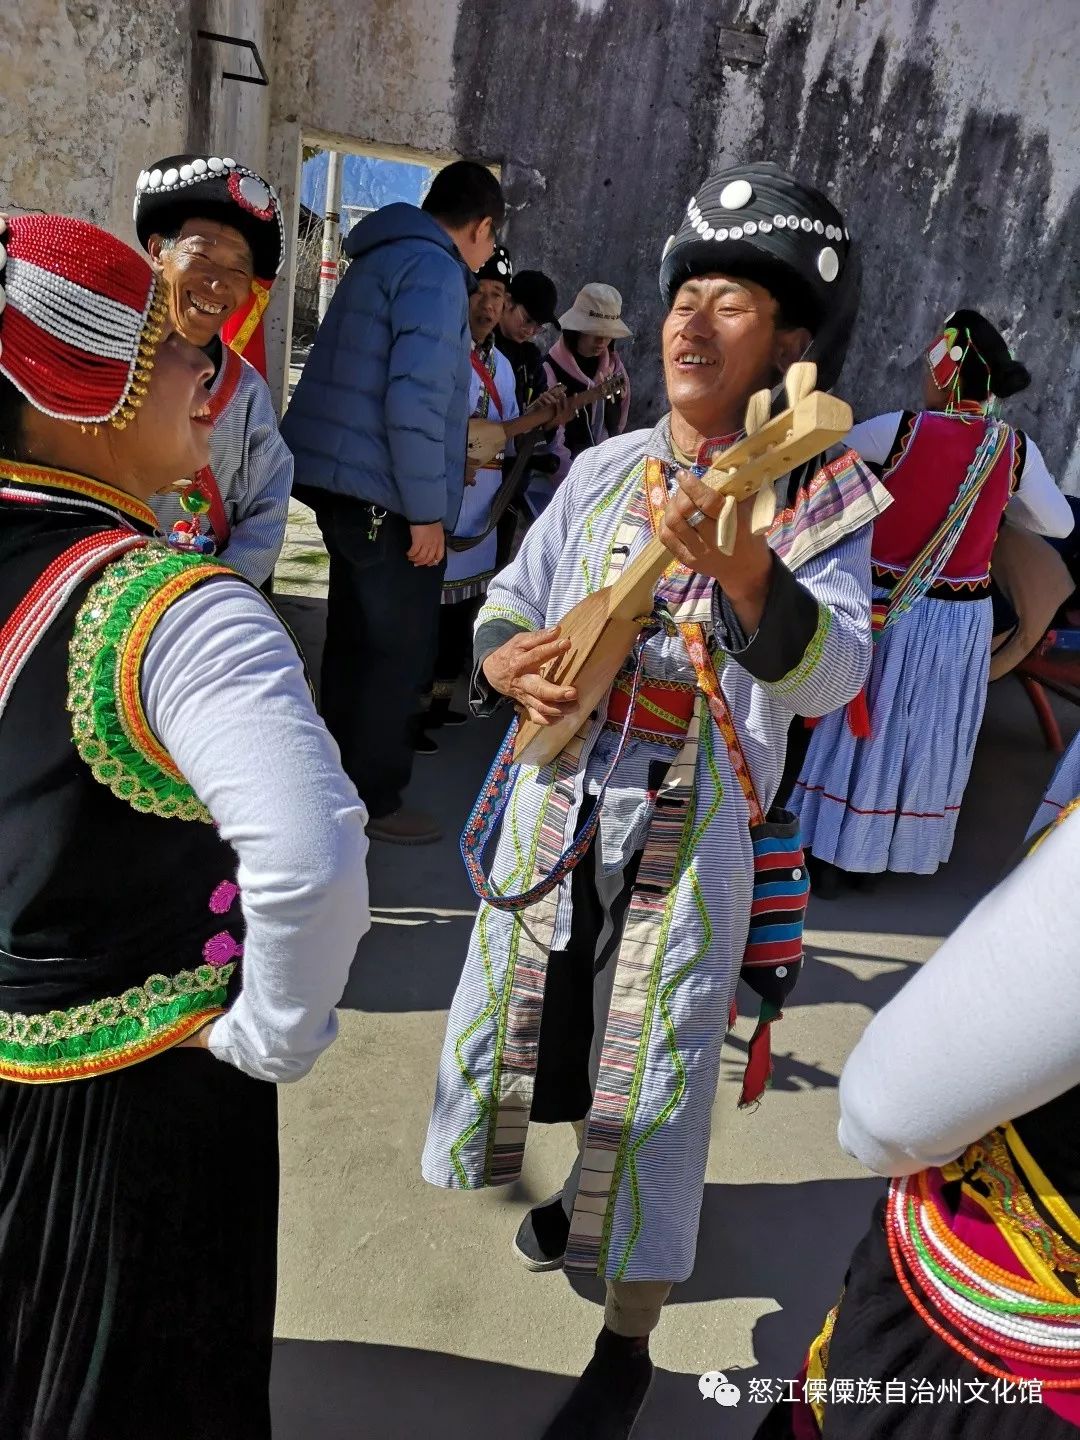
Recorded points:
(757, 222)
(212, 187)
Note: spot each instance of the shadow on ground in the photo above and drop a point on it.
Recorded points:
(342, 1390)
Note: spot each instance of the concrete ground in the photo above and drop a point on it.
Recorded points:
(402, 1314)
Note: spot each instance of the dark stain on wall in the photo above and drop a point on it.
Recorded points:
(606, 122)
(204, 77)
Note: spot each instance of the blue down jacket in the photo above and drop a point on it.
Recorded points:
(381, 410)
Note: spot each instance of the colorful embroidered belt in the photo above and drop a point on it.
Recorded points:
(994, 1275)
(114, 1032)
(941, 589)
(662, 713)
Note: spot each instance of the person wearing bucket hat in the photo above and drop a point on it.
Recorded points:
(158, 748)
(647, 869)
(214, 231)
(584, 356)
(882, 784)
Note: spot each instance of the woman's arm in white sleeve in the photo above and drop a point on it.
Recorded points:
(874, 438)
(987, 1030)
(1038, 503)
(224, 691)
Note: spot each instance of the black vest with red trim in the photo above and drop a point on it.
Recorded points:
(923, 473)
(120, 925)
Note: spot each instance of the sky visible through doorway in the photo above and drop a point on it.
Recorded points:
(367, 183)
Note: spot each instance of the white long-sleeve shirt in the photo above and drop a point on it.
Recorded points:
(1037, 505)
(986, 1030)
(224, 691)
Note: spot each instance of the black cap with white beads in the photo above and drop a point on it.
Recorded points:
(498, 267)
(212, 187)
(760, 223)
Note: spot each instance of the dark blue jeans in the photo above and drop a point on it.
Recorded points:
(382, 621)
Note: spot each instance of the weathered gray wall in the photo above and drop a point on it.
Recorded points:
(946, 129)
(87, 90)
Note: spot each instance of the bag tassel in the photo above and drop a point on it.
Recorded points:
(758, 1070)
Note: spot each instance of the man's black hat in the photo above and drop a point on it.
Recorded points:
(213, 187)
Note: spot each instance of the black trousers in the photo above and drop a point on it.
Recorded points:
(382, 620)
(562, 1090)
(138, 1241)
(455, 644)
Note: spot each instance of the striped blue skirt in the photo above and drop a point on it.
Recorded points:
(1063, 789)
(891, 802)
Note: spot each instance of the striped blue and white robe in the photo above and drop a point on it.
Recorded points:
(252, 465)
(820, 594)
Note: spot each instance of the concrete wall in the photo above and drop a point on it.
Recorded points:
(944, 128)
(89, 90)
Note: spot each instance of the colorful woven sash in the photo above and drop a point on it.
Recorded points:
(781, 890)
(661, 715)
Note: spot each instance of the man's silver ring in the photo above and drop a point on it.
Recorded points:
(695, 519)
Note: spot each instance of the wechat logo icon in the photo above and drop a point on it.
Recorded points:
(716, 1386)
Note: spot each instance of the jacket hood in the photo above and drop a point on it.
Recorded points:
(397, 222)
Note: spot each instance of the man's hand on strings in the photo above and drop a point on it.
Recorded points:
(514, 670)
(744, 574)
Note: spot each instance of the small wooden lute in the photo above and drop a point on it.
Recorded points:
(603, 627)
(487, 438)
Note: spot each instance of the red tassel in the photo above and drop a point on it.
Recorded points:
(811, 721)
(758, 1070)
(733, 1015)
(858, 716)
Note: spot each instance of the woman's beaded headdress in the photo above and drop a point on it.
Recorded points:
(81, 317)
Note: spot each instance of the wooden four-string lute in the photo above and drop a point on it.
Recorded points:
(487, 438)
(603, 627)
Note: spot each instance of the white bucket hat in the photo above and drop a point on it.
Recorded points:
(597, 311)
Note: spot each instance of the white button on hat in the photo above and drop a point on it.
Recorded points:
(828, 264)
(736, 194)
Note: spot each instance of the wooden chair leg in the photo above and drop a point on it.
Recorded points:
(1044, 712)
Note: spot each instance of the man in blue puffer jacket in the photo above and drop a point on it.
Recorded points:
(377, 427)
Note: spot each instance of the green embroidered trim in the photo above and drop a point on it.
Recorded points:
(811, 657)
(504, 612)
(105, 1029)
(632, 481)
(105, 734)
(482, 1102)
(606, 501)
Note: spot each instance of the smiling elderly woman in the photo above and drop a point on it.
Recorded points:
(170, 804)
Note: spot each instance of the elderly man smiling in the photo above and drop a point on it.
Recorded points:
(213, 228)
(605, 1000)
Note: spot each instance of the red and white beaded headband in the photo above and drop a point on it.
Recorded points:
(81, 317)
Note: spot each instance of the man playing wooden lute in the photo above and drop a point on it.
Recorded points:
(672, 874)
